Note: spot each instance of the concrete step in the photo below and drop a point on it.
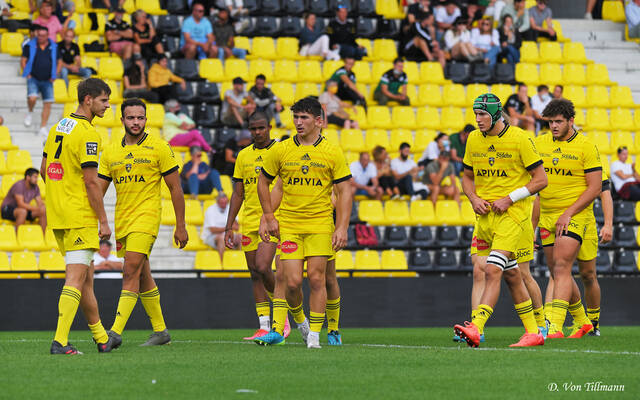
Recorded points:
(577, 25)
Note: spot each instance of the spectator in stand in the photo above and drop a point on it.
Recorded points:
(231, 150)
(520, 14)
(346, 80)
(39, 64)
(538, 103)
(180, 130)
(119, 35)
(415, 13)
(67, 21)
(459, 145)
(197, 39)
(104, 260)
(510, 41)
(440, 177)
(487, 40)
(440, 143)
(198, 177)
(69, 61)
(393, 85)
(236, 8)
(632, 11)
(160, 78)
(144, 35)
(446, 15)
(494, 8)
(17, 205)
(223, 33)
(265, 100)
(422, 45)
(135, 83)
(110, 5)
(342, 36)
(315, 42)
(215, 220)
(405, 171)
(387, 182)
(624, 177)
(518, 108)
(49, 20)
(538, 14)
(335, 108)
(365, 178)
(557, 92)
(458, 42)
(237, 105)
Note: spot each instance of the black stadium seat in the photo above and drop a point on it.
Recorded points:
(597, 210)
(187, 69)
(170, 45)
(504, 73)
(290, 26)
(354, 213)
(458, 72)
(420, 261)
(206, 115)
(603, 262)
(465, 261)
(207, 92)
(625, 261)
(351, 238)
(420, 236)
(386, 28)
(542, 261)
(177, 7)
(395, 236)
(365, 8)
(265, 26)
(252, 6)
(293, 7)
(624, 236)
(482, 73)
(223, 135)
(445, 260)
(624, 212)
(186, 95)
(365, 28)
(207, 134)
(447, 236)
(168, 25)
(466, 236)
(270, 7)
(319, 7)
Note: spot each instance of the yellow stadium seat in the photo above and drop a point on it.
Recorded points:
(502, 90)
(469, 117)
(3, 169)
(371, 212)
(18, 161)
(621, 119)
(168, 217)
(636, 119)
(623, 138)
(5, 139)
(399, 136)
(403, 117)
(30, 237)
(285, 71)
(575, 94)
(110, 68)
(242, 42)
(225, 181)
(527, 73)
(452, 119)
(50, 239)
(359, 115)
(580, 120)
(212, 70)
(429, 94)
(573, 52)
(284, 91)
(287, 48)
(5, 266)
(351, 156)
(21, 5)
(263, 47)
(574, 74)
(454, 95)
(260, 66)
(90, 38)
(393, 259)
(366, 43)
(598, 74)
(8, 181)
(379, 68)
(621, 97)
(89, 62)
(24, 261)
(601, 140)
(613, 11)
(193, 212)
(155, 115)
(447, 212)
(329, 67)
(375, 137)
(428, 117)
(598, 119)
(72, 90)
(312, 71)
(378, 117)
(390, 9)
(195, 243)
(51, 261)
(597, 96)
(116, 94)
(351, 140)
(331, 135)
(151, 7)
(364, 89)
(550, 52)
(363, 72)
(474, 90)
(11, 43)
(304, 89)
(207, 259)
(396, 213)
(234, 67)
(234, 259)
(422, 212)
(422, 140)
(384, 49)
(60, 91)
(550, 74)
(431, 72)
(367, 259)
(412, 71)
(529, 52)
(467, 215)
(344, 260)
(8, 241)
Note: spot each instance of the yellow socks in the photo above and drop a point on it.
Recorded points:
(98, 332)
(538, 313)
(263, 309)
(333, 314)
(315, 321)
(298, 314)
(578, 314)
(525, 312)
(151, 303)
(593, 314)
(482, 315)
(558, 315)
(548, 311)
(67, 308)
(270, 294)
(126, 304)
(280, 314)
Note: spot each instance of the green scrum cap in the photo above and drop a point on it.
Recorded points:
(489, 103)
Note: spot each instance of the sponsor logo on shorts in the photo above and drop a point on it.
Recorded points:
(482, 244)
(55, 172)
(118, 245)
(288, 247)
(523, 253)
(544, 233)
(246, 240)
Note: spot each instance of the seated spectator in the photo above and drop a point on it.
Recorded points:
(104, 260)
(68, 22)
(119, 35)
(237, 105)
(387, 182)
(266, 101)
(518, 108)
(445, 16)
(144, 35)
(135, 83)
(520, 14)
(335, 108)
(494, 8)
(231, 150)
(69, 61)
(538, 103)
(440, 143)
(5, 12)
(393, 85)
(365, 178)
(487, 40)
(110, 5)
(422, 45)
(459, 145)
(632, 11)
(440, 177)
(223, 33)
(557, 92)
(180, 130)
(39, 64)
(624, 177)
(314, 42)
(49, 20)
(215, 221)
(415, 12)
(17, 206)
(236, 8)
(160, 78)
(346, 80)
(510, 41)
(342, 36)
(458, 42)
(405, 171)
(198, 177)
(196, 40)
(538, 14)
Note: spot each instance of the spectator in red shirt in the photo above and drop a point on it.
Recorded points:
(17, 205)
(49, 20)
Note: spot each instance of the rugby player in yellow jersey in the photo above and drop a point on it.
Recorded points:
(575, 180)
(501, 170)
(259, 254)
(136, 165)
(75, 210)
(310, 167)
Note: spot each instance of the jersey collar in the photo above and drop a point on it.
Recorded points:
(502, 132)
(265, 147)
(144, 136)
(316, 143)
(76, 116)
(573, 136)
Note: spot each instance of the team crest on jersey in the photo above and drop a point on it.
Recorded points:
(492, 161)
(555, 161)
(258, 168)
(304, 169)
(128, 167)
(66, 125)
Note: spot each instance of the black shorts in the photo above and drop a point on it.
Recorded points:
(7, 213)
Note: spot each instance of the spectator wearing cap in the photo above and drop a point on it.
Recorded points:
(335, 108)
(538, 15)
(422, 44)
(458, 42)
(342, 36)
(104, 260)
(237, 105)
(161, 77)
(365, 178)
(624, 177)
(632, 12)
(197, 177)
(119, 35)
(446, 15)
(180, 130)
(346, 80)
(266, 101)
(440, 143)
(393, 85)
(49, 20)
(440, 177)
(196, 40)
(458, 146)
(215, 220)
(315, 42)
(17, 206)
(405, 171)
(69, 61)
(520, 14)
(223, 33)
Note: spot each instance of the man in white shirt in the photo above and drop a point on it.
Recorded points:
(446, 16)
(365, 177)
(107, 262)
(625, 179)
(215, 219)
(538, 103)
(405, 170)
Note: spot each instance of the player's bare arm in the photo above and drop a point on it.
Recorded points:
(480, 207)
(95, 195)
(276, 198)
(177, 198)
(343, 212)
(271, 224)
(606, 233)
(537, 183)
(237, 197)
(594, 188)
(104, 186)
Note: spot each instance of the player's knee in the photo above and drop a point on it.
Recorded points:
(588, 277)
(512, 275)
(317, 281)
(294, 283)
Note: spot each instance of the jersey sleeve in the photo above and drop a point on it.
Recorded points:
(167, 160)
(528, 153)
(271, 163)
(467, 161)
(104, 172)
(341, 171)
(89, 147)
(591, 158)
(238, 168)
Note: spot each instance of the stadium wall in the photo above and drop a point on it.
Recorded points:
(568, 8)
(227, 303)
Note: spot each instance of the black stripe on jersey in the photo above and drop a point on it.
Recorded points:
(233, 179)
(606, 185)
(106, 178)
(344, 178)
(502, 132)
(465, 166)
(586, 171)
(295, 140)
(167, 172)
(44, 154)
(318, 141)
(271, 177)
(89, 164)
(265, 147)
(142, 138)
(74, 115)
(534, 165)
(575, 133)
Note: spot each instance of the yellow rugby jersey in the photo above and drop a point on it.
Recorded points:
(72, 144)
(308, 174)
(137, 171)
(566, 163)
(500, 163)
(247, 170)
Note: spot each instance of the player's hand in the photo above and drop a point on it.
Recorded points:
(339, 239)
(270, 228)
(606, 233)
(562, 225)
(480, 207)
(500, 206)
(104, 232)
(180, 236)
(229, 239)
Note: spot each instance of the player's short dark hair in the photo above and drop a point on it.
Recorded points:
(93, 87)
(259, 115)
(30, 171)
(132, 102)
(308, 105)
(562, 107)
(404, 145)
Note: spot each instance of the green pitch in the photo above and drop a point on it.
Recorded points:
(373, 364)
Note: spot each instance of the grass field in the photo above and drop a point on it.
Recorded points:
(404, 363)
